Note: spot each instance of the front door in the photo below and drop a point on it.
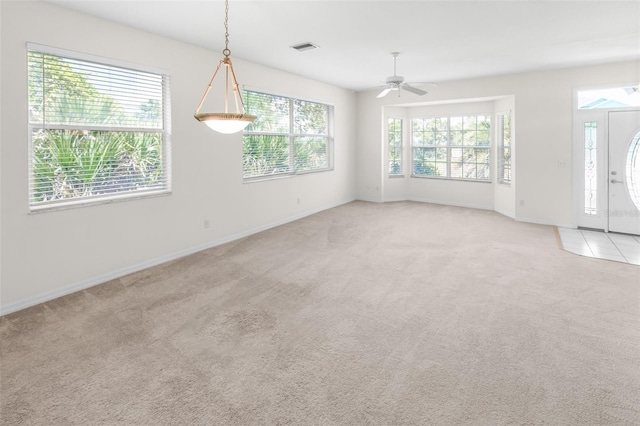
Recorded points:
(624, 172)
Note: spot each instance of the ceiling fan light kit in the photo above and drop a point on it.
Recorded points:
(226, 122)
(396, 82)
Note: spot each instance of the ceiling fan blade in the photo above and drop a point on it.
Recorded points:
(414, 90)
(384, 92)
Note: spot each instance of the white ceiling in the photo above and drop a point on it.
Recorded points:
(438, 40)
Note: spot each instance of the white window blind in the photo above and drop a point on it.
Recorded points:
(289, 136)
(98, 131)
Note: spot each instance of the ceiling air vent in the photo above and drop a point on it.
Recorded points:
(304, 46)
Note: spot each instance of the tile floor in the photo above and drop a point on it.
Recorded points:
(601, 245)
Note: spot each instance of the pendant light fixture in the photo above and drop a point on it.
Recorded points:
(226, 122)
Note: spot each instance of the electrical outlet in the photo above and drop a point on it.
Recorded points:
(206, 224)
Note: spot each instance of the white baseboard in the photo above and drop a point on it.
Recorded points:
(542, 222)
(449, 203)
(394, 200)
(505, 213)
(369, 199)
(28, 302)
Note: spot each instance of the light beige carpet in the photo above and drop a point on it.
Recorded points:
(366, 314)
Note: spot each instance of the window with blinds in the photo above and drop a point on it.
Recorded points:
(98, 131)
(289, 136)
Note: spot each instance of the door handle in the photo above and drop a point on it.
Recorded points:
(616, 181)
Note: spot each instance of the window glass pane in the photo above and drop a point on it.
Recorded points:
(484, 137)
(504, 148)
(422, 133)
(430, 161)
(310, 118)
(456, 163)
(395, 132)
(484, 130)
(79, 164)
(469, 122)
(441, 138)
(590, 168)
(618, 97)
(441, 169)
(395, 146)
(272, 112)
(506, 167)
(395, 161)
(633, 170)
(455, 123)
(483, 171)
(441, 123)
(484, 122)
(506, 130)
(419, 125)
(265, 155)
(422, 137)
(424, 161)
(310, 153)
(469, 137)
(457, 136)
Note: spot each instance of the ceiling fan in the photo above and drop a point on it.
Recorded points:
(396, 82)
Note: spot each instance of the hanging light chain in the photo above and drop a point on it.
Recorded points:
(226, 50)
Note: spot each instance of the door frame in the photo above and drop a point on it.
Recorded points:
(600, 116)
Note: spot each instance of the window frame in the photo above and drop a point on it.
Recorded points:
(448, 147)
(165, 187)
(291, 137)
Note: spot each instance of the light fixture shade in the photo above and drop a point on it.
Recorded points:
(225, 122)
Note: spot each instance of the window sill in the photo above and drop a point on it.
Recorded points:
(283, 176)
(451, 179)
(73, 204)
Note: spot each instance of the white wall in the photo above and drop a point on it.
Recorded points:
(542, 103)
(48, 254)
